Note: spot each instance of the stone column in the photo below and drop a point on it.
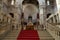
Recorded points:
(57, 18)
(58, 8)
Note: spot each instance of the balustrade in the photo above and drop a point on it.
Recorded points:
(5, 26)
(53, 18)
(53, 30)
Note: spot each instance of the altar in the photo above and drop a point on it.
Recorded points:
(30, 26)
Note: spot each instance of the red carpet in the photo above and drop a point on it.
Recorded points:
(28, 35)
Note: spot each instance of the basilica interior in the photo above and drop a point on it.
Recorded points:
(29, 19)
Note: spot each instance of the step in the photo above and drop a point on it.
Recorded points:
(44, 35)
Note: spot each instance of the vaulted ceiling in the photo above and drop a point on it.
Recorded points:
(35, 2)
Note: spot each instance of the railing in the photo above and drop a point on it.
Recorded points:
(54, 18)
(53, 30)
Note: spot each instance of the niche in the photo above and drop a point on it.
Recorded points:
(12, 15)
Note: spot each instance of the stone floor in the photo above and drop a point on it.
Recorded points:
(12, 35)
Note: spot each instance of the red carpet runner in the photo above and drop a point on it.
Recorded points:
(28, 35)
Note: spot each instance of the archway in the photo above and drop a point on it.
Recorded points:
(30, 7)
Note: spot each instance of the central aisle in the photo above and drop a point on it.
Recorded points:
(28, 35)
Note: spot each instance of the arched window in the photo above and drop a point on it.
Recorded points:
(12, 2)
(29, 17)
(48, 2)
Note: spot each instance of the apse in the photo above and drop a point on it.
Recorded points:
(30, 8)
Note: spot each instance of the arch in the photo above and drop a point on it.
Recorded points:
(31, 7)
(34, 2)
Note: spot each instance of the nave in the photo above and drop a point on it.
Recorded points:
(20, 19)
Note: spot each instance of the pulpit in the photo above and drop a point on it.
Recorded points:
(30, 26)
